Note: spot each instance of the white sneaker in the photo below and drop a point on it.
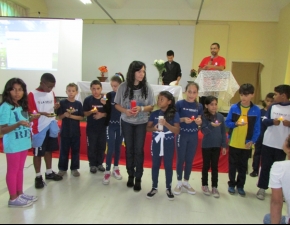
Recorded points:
(261, 194)
(189, 189)
(116, 173)
(106, 179)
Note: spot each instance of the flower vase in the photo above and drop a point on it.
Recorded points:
(102, 74)
(160, 79)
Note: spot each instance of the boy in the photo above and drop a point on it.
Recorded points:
(44, 128)
(277, 122)
(96, 114)
(71, 113)
(244, 123)
(258, 146)
(279, 182)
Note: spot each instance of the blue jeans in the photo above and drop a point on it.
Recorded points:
(114, 140)
(267, 219)
(134, 140)
(168, 161)
(67, 144)
(186, 149)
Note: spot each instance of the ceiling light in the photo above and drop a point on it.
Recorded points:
(86, 1)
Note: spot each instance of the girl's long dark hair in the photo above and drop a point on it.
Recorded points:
(207, 113)
(119, 78)
(134, 67)
(6, 97)
(171, 110)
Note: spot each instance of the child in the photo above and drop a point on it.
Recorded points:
(71, 113)
(279, 182)
(15, 126)
(190, 113)
(163, 140)
(44, 128)
(244, 122)
(258, 146)
(114, 136)
(96, 114)
(277, 122)
(134, 119)
(213, 128)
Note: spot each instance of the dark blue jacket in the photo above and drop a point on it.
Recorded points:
(254, 123)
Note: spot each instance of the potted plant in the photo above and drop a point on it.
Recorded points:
(193, 74)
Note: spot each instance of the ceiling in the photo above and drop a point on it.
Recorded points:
(214, 10)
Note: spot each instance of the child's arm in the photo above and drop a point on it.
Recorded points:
(224, 134)
(229, 122)
(268, 121)
(5, 129)
(257, 128)
(174, 129)
(74, 117)
(150, 127)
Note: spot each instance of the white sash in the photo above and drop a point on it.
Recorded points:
(161, 136)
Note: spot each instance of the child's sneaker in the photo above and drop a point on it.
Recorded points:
(152, 193)
(177, 190)
(205, 190)
(106, 179)
(241, 192)
(61, 173)
(53, 176)
(39, 183)
(29, 197)
(116, 173)
(261, 194)
(101, 168)
(93, 169)
(169, 195)
(75, 173)
(215, 192)
(189, 189)
(232, 190)
(19, 203)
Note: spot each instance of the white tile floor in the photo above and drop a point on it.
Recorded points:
(87, 200)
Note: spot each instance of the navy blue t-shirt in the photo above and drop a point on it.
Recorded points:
(70, 127)
(154, 117)
(94, 126)
(115, 114)
(189, 109)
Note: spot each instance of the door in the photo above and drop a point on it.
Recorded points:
(248, 72)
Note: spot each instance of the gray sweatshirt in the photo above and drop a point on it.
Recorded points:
(214, 137)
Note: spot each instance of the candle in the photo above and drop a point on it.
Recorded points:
(242, 121)
(281, 118)
(95, 108)
(34, 112)
(133, 104)
(160, 127)
(192, 118)
(216, 122)
(105, 97)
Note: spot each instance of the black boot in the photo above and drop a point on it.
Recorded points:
(130, 182)
(137, 186)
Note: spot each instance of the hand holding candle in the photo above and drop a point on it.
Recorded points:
(192, 118)
(281, 119)
(94, 110)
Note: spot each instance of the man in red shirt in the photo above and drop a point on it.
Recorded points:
(213, 62)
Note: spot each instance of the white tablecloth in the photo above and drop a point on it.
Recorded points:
(85, 90)
(221, 84)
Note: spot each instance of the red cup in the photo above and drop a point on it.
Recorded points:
(133, 104)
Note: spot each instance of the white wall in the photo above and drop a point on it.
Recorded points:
(116, 46)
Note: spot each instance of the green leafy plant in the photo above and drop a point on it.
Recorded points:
(193, 73)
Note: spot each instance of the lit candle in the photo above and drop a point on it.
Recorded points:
(95, 109)
(216, 122)
(105, 97)
(34, 112)
(192, 118)
(281, 118)
(242, 121)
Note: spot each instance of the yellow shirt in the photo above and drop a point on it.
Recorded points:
(239, 135)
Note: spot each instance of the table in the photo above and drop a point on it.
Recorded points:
(85, 90)
(221, 84)
(197, 164)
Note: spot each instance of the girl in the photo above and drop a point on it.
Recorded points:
(163, 146)
(258, 145)
(15, 126)
(114, 136)
(190, 113)
(213, 128)
(135, 99)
